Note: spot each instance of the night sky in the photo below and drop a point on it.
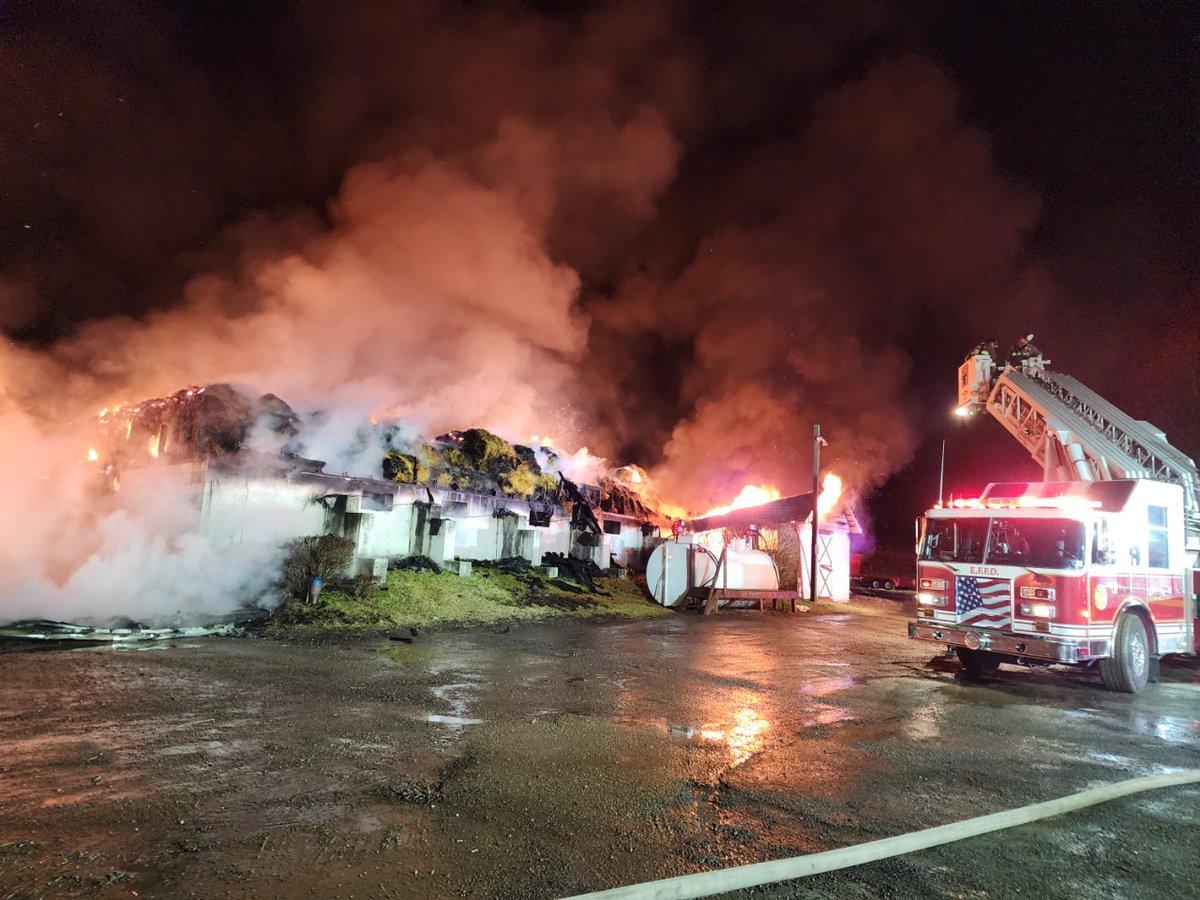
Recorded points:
(676, 232)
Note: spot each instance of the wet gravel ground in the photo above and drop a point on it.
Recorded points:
(539, 762)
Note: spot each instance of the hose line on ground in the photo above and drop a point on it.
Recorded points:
(705, 884)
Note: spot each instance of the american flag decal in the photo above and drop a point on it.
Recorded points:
(983, 601)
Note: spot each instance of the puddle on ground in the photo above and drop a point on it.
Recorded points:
(743, 735)
(821, 663)
(1171, 729)
(819, 687)
(137, 646)
(408, 654)
(452, 720)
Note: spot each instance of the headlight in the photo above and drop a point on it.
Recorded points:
(1037, 610)
(933, 584)
(931, 599)
(1037, 593)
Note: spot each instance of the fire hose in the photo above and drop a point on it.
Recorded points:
(705, 884)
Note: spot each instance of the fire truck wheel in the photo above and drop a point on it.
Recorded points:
(978, 662)
(875, 583)
(1128, 669)
(888, 584)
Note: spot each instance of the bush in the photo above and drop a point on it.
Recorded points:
(362, 585)
(783, 546)
(306, 558)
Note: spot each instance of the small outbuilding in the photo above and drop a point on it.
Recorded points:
(782, 529)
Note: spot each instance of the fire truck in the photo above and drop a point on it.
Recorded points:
(1094, 566)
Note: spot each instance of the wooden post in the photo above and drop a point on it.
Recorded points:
(711, 601)
(812, 560)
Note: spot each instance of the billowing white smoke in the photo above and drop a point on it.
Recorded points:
(430, 299)
(74, 550)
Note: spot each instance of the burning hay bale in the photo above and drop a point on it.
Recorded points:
(193, 423)
(617, 498)
(474, 461)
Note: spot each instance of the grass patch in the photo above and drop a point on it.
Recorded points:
(410, 599)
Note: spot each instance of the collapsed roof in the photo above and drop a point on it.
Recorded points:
(217, 422)
(797, 508)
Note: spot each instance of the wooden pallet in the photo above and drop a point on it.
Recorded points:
(708, 600)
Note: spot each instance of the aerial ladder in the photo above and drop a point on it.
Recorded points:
(1072, 432)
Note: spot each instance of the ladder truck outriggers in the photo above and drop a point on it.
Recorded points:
(1095, 565)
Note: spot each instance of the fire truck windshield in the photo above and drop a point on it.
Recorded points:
(1045, 543)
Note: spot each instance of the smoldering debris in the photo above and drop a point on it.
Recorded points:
(49, 631)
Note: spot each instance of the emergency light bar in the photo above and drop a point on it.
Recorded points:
(1077, 503)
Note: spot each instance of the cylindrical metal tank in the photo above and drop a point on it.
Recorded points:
(676, 567)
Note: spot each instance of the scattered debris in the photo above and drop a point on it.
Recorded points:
(45, 630)
(582, 516)
(416, 564)
(584, 571)
(509, 565)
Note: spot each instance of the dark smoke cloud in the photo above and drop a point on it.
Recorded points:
(883, 211)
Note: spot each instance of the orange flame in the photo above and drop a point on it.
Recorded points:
(751, 495)
(831, 492)
(93, 456)
(152, 446)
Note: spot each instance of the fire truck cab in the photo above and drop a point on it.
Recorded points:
(1095, 565)
(1085, 573)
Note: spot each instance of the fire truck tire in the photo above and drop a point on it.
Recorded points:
(888, 584)
(875, 583)
(1128, 669)
(978, 662)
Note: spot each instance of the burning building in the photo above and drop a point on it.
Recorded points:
(763, 550)
(468, 495)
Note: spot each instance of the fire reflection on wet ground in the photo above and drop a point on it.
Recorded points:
(743, 734)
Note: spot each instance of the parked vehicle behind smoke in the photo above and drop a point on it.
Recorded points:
(886, 570)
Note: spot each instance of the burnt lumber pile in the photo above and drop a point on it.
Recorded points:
(575, 576)
(417, 563)
(582, 571)
(509, 565)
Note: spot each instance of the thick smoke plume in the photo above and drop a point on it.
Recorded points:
(677, 234)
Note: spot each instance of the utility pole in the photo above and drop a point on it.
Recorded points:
(942, 472)
(812, 559)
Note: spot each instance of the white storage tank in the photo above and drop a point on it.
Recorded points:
(677, 566)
